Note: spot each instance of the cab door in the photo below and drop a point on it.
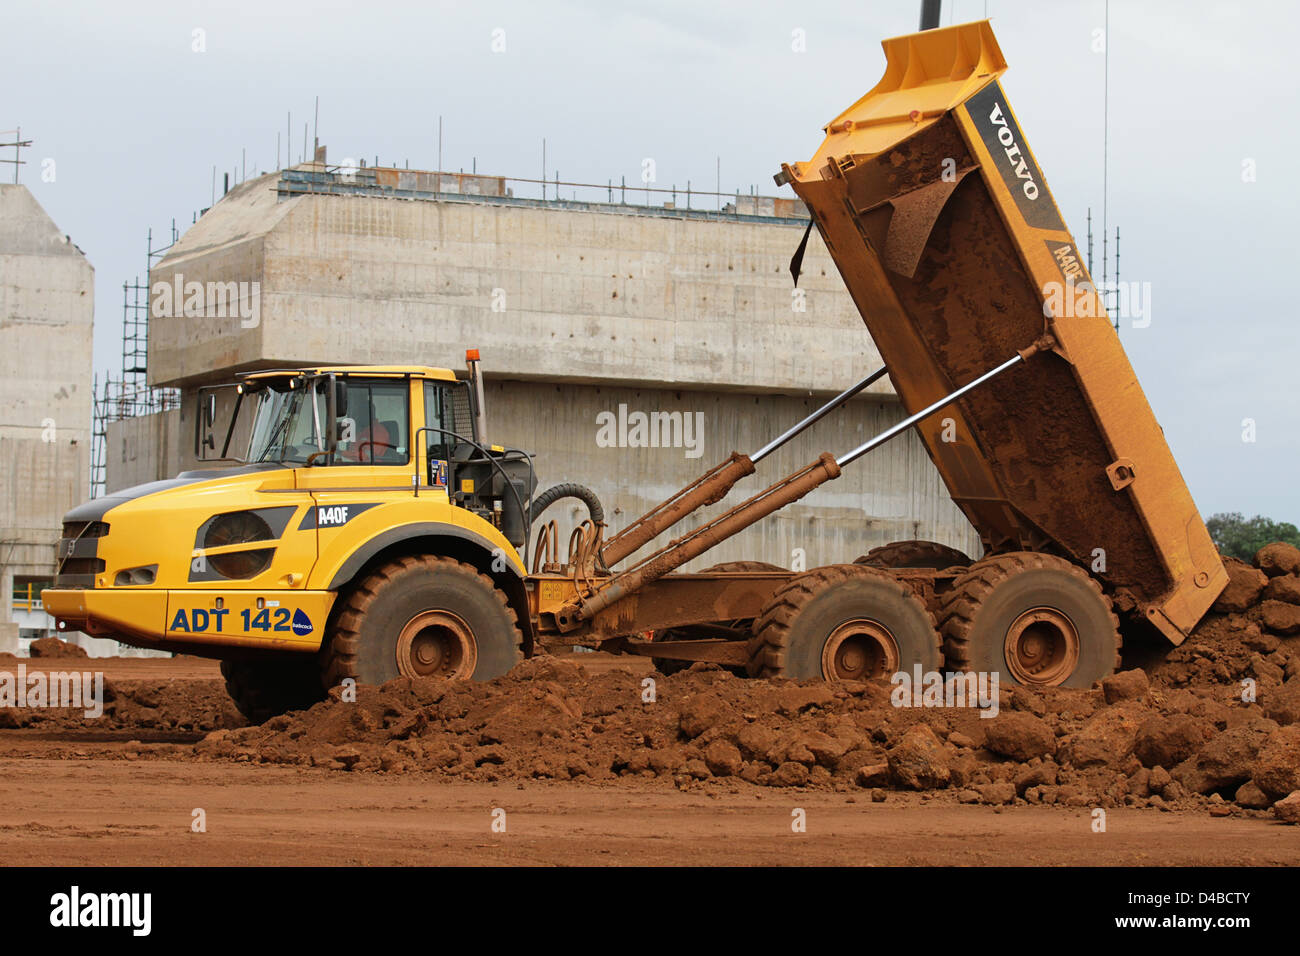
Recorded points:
(373, 465)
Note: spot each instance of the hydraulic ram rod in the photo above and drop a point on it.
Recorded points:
(713, 486)
(705, 490)
(925, 413)
(817, 416)
(696, 542)
(773, 498)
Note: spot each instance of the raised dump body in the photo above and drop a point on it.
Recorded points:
(939, 219)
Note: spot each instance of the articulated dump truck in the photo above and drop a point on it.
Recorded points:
(371, 531)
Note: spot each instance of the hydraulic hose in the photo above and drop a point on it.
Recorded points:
(568, 489)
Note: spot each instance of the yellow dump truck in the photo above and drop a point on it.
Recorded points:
(369, 530)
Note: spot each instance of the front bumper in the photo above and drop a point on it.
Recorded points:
(172, 619)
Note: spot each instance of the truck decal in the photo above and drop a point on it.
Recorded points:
(198, 620)
(1001, 135)
(332, 516)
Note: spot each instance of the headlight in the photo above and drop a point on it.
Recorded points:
(135, 576)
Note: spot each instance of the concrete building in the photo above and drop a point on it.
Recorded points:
(580, 309)
(46, 314)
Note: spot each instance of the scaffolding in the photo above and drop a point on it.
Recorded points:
(128, 394)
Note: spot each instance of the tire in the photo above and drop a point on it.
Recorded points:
(265, 689)
(914, 554)
(423, 617)
(839, 622)
(1034, 619)
(665, 666)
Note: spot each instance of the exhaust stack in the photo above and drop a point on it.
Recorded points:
(476, 384)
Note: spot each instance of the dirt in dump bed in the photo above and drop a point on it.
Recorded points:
(975, 306)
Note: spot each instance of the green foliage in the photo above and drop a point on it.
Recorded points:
(1240, 537)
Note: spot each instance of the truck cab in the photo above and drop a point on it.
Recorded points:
(322, 476)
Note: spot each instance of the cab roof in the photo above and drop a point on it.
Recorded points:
(396, 371)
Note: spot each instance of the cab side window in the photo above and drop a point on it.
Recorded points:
(440, 419)
(374, 430)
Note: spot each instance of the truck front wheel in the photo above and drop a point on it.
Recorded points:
(422, 617)
(262, 689)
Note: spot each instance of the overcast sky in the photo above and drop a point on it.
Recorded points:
(1200, 93)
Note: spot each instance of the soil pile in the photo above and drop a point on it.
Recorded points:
(1189, 735)
(1252, 631)
(1215, 723)
(156, 705)
(54, 647)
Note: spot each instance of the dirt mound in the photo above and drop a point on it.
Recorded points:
(1253, 631)
(550, 719)
(53, 647)
(160, 705)
(1213, 722)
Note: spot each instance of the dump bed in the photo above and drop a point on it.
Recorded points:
(950, 243)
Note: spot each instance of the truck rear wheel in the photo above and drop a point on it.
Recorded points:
(1035, 619)
(423, 617)
(665, 666)
(914, 554)
(262, 689)
(843, 622)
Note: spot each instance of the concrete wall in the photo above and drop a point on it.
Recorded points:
(891, 494)
(148, 448)
(554, 292)
(46, 314)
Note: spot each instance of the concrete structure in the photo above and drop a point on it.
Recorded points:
(578, 309)
(46, 314)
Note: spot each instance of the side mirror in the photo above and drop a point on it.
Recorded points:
(205, 423)
(205, 420)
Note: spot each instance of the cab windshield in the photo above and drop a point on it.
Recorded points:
(291, 422)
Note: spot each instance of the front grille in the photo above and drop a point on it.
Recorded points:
(78, 554)
(85, 529)
(78, 572)
(81, 566)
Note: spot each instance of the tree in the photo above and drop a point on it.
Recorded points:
(1239, 537)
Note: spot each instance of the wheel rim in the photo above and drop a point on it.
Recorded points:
(859, 650)
(436, 644)
(1042, 647)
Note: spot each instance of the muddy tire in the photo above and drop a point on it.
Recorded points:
(264, 689)
(1035, 619)
(914, 554)
(845, 622)
(422, 617)
(665, 666)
